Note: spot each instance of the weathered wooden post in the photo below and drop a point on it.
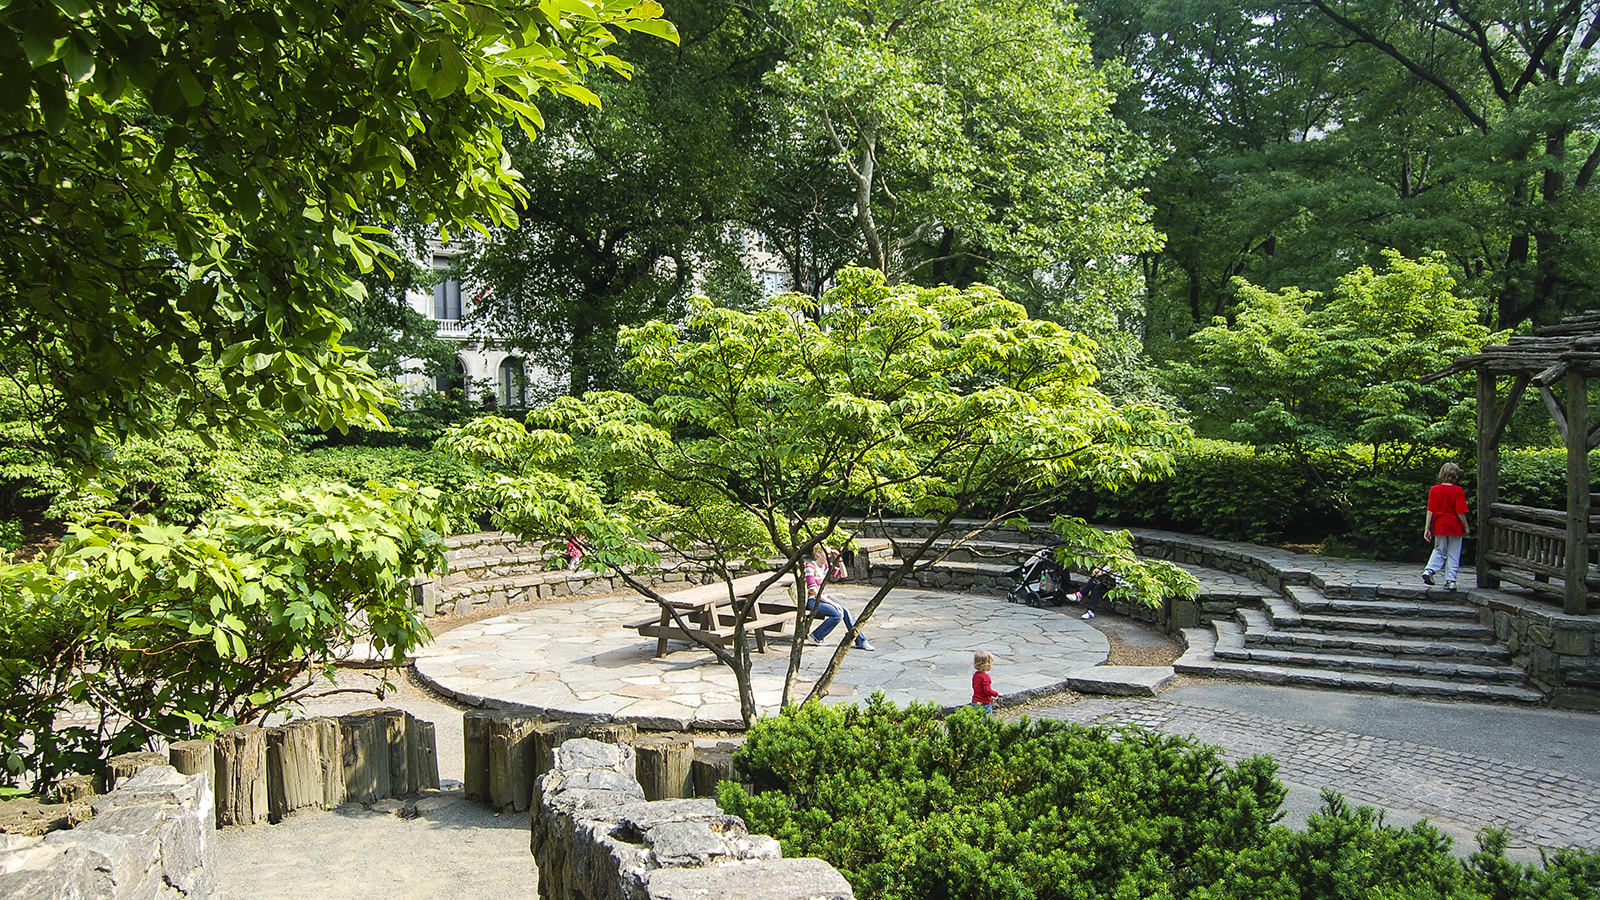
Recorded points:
(393, 724)
(241, 761)
(1576, 601)
(712, 765)
(664, 765)
(294, 769)
(364, 753)
(330, 755)
(121, 768)
(511, 759)
(475, 751)
(423, 749)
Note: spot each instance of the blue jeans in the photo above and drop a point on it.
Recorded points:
(988, 709)
(832, 612)
(1446, 556)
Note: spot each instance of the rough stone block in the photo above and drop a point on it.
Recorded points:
(766, 879)
(1572, 642)
(1121, 681)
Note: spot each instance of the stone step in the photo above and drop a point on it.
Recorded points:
(1399, 627)
(1258, 632)
(1279, 612)
(1384, 665)
(1307, 599)
(1197, 658)
(1419, 592)
(1407, 685)
(980, 550)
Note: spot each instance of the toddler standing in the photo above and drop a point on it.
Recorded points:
(983, 692)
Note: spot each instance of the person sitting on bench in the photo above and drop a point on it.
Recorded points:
(1101, 580)
(826, 563)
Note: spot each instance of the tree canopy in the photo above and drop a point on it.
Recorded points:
(189, 187)
(758, 434)
(973, 139)
(1312, 379)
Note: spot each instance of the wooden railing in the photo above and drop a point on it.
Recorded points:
(1527, 546)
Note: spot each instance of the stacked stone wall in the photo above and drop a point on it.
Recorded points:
(154, 836)
(596, 837)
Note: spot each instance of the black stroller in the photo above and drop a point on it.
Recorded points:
(1039, 581)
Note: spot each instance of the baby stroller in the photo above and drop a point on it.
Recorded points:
(1039, 581)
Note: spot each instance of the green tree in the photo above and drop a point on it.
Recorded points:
(187, 185)
(975, 142)
(1309, 380)
(629, 208)
(767, 431)
(1518, 76)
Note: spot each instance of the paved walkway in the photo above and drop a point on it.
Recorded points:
(1464, 766)
(577, 658)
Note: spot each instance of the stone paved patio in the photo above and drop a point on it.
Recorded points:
(577, 658)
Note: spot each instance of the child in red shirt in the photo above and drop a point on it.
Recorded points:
(983, 693)
(1446, 526)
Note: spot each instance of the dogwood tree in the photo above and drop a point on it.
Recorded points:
(757, 435)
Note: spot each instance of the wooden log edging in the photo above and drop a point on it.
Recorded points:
(267, 774)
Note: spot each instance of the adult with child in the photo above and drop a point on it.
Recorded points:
(823, 565)
(1446, 525)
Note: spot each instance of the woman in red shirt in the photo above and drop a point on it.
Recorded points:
(1446, 525)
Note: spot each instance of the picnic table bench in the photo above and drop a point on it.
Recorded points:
(707, 611)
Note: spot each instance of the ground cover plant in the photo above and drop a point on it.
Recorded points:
(911, 805)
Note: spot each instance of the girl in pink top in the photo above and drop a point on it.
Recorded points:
(983, 692)
(1446, 526)
(825, 564)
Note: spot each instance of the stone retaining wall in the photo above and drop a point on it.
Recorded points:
(1560, 653)
(154, 836)
(596, 837)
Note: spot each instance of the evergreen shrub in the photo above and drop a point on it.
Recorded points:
(909, 805)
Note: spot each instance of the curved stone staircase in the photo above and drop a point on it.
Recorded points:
(1269, 615)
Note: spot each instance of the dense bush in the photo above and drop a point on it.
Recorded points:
(1231, 491)
(355, 466)
(910, 806)
(162, 631)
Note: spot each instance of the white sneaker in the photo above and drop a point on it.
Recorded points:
(811, 641)
(865, 645)
(1449, 585)
(1087, 615)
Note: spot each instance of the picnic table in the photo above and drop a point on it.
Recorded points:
(707, 610)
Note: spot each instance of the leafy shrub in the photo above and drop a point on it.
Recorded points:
(1221, 489)
(1230, 491)
(356, 466)
(164, 631)
(908, 805)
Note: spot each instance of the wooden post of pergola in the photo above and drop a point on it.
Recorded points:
(1551, 552)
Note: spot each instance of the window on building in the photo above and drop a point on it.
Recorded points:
(453, 380)
(447, 293)
(513, 384)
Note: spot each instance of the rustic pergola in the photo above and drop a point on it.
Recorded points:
(1548, 551)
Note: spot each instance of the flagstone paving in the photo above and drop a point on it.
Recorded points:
(579, 659)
